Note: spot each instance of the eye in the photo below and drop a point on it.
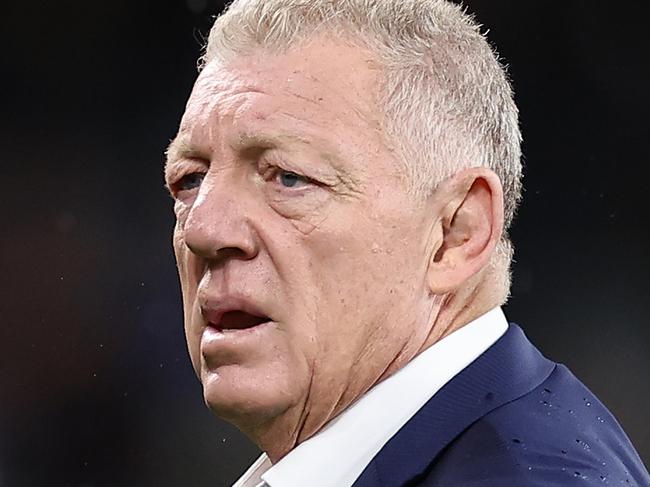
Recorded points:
(189, 181)
(290, 179)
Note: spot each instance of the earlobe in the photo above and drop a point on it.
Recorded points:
(467, 230)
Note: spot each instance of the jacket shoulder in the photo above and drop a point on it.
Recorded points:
(557, 434)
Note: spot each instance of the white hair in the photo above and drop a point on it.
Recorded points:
(446, 98)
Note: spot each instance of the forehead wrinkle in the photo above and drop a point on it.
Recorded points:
(312, 134)
(214, 91)
(354, 103)
(215, 97)
(203, 127)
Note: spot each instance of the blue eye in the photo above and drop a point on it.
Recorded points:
(190, 181)
(290, 179)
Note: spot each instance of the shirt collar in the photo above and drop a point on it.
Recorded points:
(337, 454)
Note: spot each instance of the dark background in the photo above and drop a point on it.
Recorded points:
(96, 388)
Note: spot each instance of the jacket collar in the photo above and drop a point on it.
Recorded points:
(506, 371)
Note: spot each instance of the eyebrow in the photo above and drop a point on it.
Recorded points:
(263, 139)
(179, 148)
(182, 148)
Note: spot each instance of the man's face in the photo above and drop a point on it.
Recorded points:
(302, 259)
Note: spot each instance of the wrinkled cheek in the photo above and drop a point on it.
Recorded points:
(178, 244)
(192, 330)
(306, 213)
(183, 264)
(184, 259)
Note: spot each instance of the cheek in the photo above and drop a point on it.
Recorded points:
(306, 212)
(186, 262)
(338, 270)
(183, 260)
(190, 266)
(365, 269)
(181, 210)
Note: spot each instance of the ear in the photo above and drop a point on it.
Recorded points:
(469, 224)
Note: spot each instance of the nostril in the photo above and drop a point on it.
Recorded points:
(227, 253)
(204, 250)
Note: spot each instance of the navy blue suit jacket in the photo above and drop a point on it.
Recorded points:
(511, 418)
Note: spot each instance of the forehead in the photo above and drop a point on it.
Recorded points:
(318, 87)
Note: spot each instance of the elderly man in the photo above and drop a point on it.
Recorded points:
(344, 177)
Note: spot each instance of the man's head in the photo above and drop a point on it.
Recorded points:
(339, 177)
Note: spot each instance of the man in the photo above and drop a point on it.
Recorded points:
(344, 177)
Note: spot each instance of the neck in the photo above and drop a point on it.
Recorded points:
(460, 308)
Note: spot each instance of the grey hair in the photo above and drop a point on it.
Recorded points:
(446, 98)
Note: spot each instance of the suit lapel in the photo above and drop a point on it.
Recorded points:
(509, 369)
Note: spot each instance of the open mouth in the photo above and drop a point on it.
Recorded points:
(238, 320)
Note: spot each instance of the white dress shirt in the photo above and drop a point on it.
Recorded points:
(337, 455)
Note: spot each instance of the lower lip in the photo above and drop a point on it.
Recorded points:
(214, 337)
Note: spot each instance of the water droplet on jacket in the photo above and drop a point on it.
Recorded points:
(516, 440)
(548, 391)
(563, 452)
(588, 404)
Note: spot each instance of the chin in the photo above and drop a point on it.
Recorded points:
(247, 399)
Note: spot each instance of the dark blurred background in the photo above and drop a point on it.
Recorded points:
(96, 388)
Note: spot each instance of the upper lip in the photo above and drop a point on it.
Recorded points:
(214, 310)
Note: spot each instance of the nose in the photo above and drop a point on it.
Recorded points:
(218, 225)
